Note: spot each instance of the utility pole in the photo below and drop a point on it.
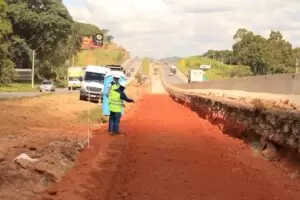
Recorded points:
(296, 71)
(32, 70)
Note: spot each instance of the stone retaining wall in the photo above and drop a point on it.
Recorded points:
(243, 120)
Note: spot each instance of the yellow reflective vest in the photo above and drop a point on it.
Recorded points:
(115, 101)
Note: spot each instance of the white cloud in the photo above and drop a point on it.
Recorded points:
(160, 28)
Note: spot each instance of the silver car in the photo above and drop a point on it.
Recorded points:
(47, 85)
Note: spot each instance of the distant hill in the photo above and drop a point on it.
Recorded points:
(172, 60)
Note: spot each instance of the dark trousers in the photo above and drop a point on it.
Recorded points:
(114, 122)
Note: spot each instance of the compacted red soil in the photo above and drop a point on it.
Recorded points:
(171, 153)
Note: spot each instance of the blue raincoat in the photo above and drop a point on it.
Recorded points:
(107, 84)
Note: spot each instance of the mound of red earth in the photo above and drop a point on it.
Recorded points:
(50, 131)
(169, 152)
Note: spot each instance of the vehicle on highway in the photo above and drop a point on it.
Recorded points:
(156, 71)
(173, 69)
(74, 74)
(170, 74)
(47, 85)
(195, 75)
(115, 67)
(132, 69)
(93, 83)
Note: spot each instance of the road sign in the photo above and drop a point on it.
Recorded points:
(205, 66)
(182, 62)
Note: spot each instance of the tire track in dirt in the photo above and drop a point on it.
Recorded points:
(171, 153)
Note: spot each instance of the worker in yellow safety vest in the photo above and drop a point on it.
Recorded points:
(116, 98)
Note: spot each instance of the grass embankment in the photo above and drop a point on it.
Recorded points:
(112, 54)
(26, 87)
(146, 66)
(218, 69)
(18, 87)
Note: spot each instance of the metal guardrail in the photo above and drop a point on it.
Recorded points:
(23, 74)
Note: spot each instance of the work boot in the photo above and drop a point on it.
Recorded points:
(121, 134)
(110, 133)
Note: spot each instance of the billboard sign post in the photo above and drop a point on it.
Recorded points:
(205, 67)
(92, 41)
(98, 40)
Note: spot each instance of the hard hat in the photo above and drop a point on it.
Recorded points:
(116, 75)
(123, 84)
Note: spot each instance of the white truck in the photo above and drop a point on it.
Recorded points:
(93, 83)
(74, 74)
(172, 70)
(195, 75)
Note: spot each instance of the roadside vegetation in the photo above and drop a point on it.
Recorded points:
(48, 28)
(111, 54)
(146, 66)
(271, 55)
(27, 87)
(218, 71)
(18, 87)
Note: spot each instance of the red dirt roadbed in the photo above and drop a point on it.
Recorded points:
(171, 153)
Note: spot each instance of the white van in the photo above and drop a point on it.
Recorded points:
(93, 82)
(74, 74)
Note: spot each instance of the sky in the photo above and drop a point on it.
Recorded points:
(163, 28)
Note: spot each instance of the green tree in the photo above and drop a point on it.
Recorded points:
(225, 56)
(240, 71)
(6, 64)
(84, 29)
(250, 50)
(44, 26)
(279, 56)
(296, 56)
(264, 55)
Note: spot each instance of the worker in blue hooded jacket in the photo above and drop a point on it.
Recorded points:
(116, 98)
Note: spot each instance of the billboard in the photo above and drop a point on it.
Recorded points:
(205, 67)
(92, 41)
